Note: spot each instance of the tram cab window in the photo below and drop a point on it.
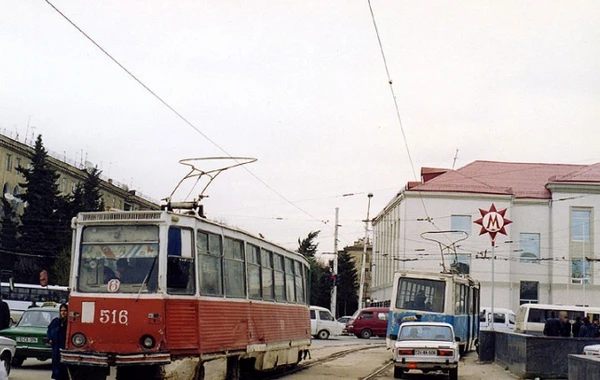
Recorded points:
(180, 262)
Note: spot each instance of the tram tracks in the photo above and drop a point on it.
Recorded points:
(326, 359)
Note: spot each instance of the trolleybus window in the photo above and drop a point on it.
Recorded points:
(235, 279)
(421, 294)
(181, 277)
(267, 274)
(209, 263)
(253, 257)
(102, 247)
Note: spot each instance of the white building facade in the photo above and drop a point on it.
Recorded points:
(547, 254)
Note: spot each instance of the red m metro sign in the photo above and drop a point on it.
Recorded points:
(493, 222)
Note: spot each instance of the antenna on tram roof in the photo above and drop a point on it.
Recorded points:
(198, 173)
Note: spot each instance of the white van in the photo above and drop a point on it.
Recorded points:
(504, 319)
(323, 324)
(532, 317)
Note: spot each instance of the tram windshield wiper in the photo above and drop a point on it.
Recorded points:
(147, 277)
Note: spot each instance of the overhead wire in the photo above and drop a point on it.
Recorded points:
(172, 109)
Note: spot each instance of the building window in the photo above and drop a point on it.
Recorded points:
(63, 187)
(529, 245)
(18, 162)
(581, 245)
(8, 162)
(529, 292)
(580, 271)
(461, 223)
(580, 225)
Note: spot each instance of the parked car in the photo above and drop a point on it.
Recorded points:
(343, 321)
(426, 346)
(323, 324)
(593, 350)
(7, 352)
(368, 322)
(30, 334)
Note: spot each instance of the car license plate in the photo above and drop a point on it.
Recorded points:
(26, 339)
(426, 352)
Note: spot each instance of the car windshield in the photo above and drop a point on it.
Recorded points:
(443, 333)
(37, 318)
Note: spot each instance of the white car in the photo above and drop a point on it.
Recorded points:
(593, 350)
(426, 346)
(7, 352)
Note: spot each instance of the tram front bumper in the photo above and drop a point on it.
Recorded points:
(70, 357)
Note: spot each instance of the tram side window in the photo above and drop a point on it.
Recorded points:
(209, 249)
(289, 280)
(267, 275)
(253, 257)
(279, 276)
(299, 281)
(460, 299)
(180, 262)
(234, 277)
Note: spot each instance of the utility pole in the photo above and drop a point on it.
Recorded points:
(333, 305)
(364, 256)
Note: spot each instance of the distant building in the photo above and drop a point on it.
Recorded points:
(15, 153)
(548, 255)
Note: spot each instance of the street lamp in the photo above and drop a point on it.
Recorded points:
(364, 256)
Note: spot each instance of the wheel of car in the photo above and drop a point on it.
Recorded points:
(366, 334)
(398, 373)
(323, 334)
(17, 361)
(6, 359)
(453, 374)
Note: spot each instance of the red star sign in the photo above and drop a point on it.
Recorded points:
(492, 222)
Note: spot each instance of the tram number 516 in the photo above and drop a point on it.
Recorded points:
(114, 316)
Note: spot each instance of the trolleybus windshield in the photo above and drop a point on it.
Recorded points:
(118, 259)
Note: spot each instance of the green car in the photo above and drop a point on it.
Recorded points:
(30, 334)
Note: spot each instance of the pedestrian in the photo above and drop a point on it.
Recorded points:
(596, 324)
(566, 327)
(576, 326)
(587, 330)
(553, 325)
(57, 338)
(4, 314)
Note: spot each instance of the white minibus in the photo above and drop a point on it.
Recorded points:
(504, 319)
(531, 317)
(323, 324)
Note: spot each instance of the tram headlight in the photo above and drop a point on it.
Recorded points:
(147, 341)
(78, 340)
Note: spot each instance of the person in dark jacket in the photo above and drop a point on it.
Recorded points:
(553, 325)
(566, 327)
(4, 314)
(576, 326)
(587, 330)
(57, 338)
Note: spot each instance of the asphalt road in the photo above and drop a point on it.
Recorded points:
(352, 366)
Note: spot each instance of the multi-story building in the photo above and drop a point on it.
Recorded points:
(542, 217)
(15, 153)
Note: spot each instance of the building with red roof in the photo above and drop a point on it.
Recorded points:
(544, 253)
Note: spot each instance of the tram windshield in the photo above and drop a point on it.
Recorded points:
(118, 259)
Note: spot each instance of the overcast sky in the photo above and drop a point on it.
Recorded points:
(302, 87)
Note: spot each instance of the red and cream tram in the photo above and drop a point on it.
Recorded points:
(158, 293)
